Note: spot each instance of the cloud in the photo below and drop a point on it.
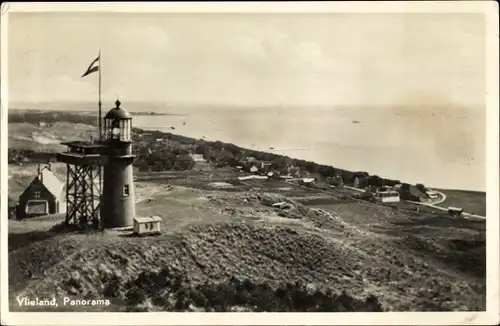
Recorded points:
(329, 59)
(65, 88)
(276, 52)
(138, 43)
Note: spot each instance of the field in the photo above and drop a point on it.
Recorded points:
(31, 136)
(470, 201)
(225, 247)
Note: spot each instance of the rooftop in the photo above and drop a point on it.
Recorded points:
(82, 144)
(51, 182)
(148, 219)
(118, 113)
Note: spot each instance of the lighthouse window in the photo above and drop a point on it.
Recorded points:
(126, 190)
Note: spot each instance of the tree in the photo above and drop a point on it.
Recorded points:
(420, 187)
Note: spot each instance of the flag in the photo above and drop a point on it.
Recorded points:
(94, 66)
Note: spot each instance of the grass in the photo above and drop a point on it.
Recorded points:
(30, 136)
(376, 255)
(471, 201)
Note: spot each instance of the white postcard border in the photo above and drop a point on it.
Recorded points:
(491, 316)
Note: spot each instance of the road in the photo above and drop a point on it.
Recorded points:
(433, 204)
(443, 198)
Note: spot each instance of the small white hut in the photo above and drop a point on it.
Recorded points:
(147, 225)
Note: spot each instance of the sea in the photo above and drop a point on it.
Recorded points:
(440, 146)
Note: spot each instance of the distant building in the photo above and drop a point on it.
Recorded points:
(197, 157)
(43, 196)
(432, 194)
(388, 196)
(265, 165)
(293, 171)
(455, 211)
(282, 205)
(254, 169)
(307, 180)
(337, 181)
(147, 225)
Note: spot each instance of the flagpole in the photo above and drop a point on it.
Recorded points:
(100, 138)
(100, 118)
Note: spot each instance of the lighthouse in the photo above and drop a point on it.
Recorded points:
(117, 204)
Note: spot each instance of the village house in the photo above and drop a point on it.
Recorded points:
(335, 181)
(197, 157)
(455, 211)
(273, 175)
(398, 187)
(432, 194)
(387, 196)
(307, 181)
(358, 182)
(43, 196)
(294, 171)
(265, 165)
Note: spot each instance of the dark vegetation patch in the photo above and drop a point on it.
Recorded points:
(171, 291)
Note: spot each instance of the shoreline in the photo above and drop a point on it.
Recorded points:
(287, 153)
(36, 115)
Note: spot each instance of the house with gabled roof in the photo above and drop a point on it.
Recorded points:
(43, 196)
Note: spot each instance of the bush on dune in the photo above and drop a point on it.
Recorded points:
(171, 291)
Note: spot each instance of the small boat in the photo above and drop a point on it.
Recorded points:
(173, 128)
(355, 121)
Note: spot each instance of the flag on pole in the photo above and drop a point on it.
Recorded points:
(94, 66)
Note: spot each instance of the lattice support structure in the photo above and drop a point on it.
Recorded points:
(84, 165)
(83, 192)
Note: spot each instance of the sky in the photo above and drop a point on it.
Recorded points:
(250, 59)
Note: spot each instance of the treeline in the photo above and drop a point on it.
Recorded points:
(162, 157)
(227, 154)
(150, 157)
(35, 117)
(20, 155)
